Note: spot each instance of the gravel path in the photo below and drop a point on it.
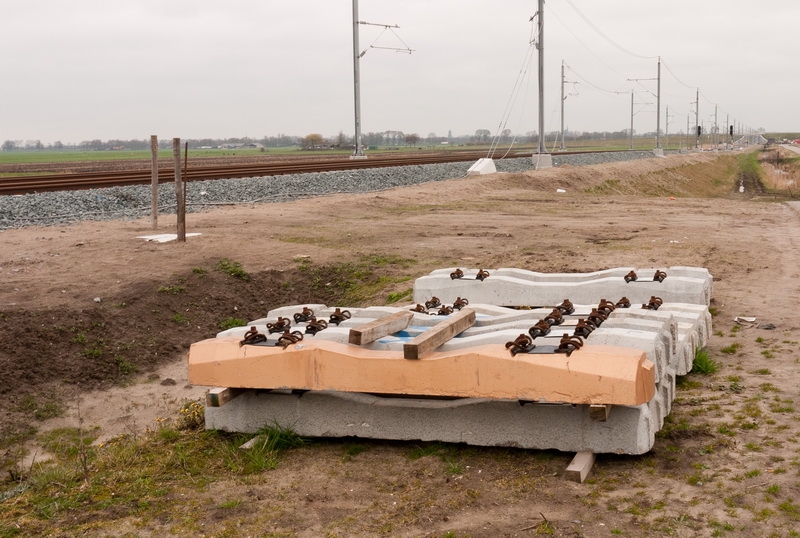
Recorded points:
(59, 208)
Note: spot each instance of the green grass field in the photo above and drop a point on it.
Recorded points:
(640, 143)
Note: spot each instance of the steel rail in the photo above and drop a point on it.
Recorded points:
(31, 184)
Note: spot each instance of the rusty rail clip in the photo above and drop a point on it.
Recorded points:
(631, 277)
(566, 307)
(279, 325)
(606, 307)
(541, 328)
(339, 316)
(584, 328)
(445, 310)
(660, 276)
(569, 344)
(315, 326)
(554, 318)
(653, 304)
(523, 344)
(597, 318)
(624, 303)
(458, 273)
(482, 274)
(289, 338)
(252, 337)
(419, 308)
(460, 303)
(433, 303)
(306, 315)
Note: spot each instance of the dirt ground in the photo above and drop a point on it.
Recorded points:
(95, 324)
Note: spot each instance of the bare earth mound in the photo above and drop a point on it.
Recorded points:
(726, 464)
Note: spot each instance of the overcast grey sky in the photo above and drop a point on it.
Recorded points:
(88, 69)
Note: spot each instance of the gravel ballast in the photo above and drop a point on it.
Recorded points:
(65, 207)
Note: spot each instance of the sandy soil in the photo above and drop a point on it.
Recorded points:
(657, 212)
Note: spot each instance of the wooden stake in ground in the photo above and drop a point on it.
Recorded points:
(181, 202)
(154, 182)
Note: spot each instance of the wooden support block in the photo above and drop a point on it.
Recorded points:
(579, 467)
(439, 334)
(599, 413)
(383, 326)
(219, 396)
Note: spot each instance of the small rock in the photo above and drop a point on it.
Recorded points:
(153, 377)
(168, 382)
(97, 299)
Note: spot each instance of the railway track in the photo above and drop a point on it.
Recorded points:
(31, 184)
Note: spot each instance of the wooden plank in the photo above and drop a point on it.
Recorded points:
(579, 467)
(439, 334)
(219, 396)
(383, 326)
(599, 413)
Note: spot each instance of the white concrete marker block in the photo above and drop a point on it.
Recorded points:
(481, 167)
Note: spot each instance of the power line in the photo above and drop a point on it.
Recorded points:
(604, 36)
(578, 39)
(676, 76)
(589, 83)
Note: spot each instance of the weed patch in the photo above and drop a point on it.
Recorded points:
(703, 363)
(232, 268)
(230, 323)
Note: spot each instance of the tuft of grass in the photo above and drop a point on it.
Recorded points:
(395, 297)
(124, 365)
(353, 450)
(174, 290)
(731, 349)
(41, 409)
(179, 318)
(232, 268)
(230, 323)
(703, 363)
(199, 271)
(456, 467)
(278, 438)
(354, 283)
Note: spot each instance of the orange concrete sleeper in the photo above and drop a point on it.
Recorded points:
(591, 375)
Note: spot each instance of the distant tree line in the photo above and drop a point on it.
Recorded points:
(390, 138)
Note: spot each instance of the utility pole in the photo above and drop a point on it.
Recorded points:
(563, 98)
(716, 129)
(658, 107)
(541, 159)
(697, 119)
(657, 149)
(728, 129)
(540, 46)
(687, 130)
(666, 132)
(631, 119)
(562, 148)
(358, 153)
